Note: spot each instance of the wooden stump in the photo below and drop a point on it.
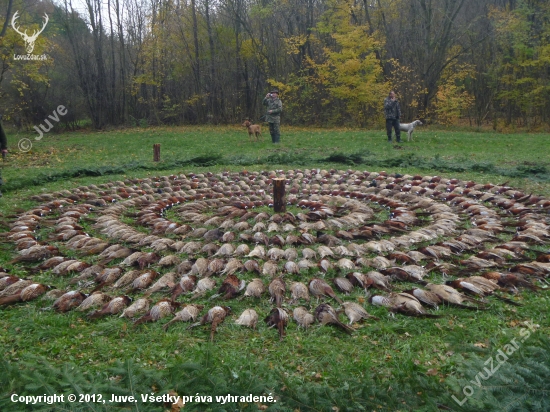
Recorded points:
(156, 152)
(279, 195)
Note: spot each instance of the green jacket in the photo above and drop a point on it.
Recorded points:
(276, 107)
(3, 139)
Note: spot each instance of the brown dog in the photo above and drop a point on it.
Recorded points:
(253, 129)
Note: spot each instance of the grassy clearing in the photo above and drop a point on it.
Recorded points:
(396, 364)
(513, 157)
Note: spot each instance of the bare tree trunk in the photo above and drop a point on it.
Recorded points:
(122, 48)
(214, 94)
(114, 115)
(197, 63)
(6, 22)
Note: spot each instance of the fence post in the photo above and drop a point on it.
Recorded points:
(156, 152)
(279, 195)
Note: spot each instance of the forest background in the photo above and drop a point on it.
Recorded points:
(176, 62)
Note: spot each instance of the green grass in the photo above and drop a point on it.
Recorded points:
(396, 364)
(474, 155)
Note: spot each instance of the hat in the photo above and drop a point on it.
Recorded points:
(274, 90)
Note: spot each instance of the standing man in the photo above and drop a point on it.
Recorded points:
(273, 115)
(3, 149)
(393, 113)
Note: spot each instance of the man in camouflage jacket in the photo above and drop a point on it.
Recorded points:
(3, 148)
(273, 114)
(393, 113)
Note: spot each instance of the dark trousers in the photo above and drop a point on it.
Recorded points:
(275, 132)
(395, 124)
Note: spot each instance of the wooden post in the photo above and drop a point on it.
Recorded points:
(279, 195)
(156, 152)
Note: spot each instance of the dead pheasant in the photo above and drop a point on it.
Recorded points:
(116, 305)
(479, 286)
(94, 300)
(302, 317)
(186, 284)
(161, 309)
(356, 312)
(139, 306)
(230, 288)
(69, 300)
(510, 280)
(277, 291)
(299, 291)
(319, 287)
(188, 313)
(277, 317)
(326, 315)
(215, 316)
(402, 303)
(26, 294)
(453, 297)
(255, 288)
(248, 318)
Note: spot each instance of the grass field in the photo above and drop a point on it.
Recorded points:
(395, 364)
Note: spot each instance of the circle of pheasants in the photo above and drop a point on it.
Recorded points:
(151, 249)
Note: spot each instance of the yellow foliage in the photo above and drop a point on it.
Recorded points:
(293, 43)
(247, 49)
(452, 99)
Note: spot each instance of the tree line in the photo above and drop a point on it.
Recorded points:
(153, 62)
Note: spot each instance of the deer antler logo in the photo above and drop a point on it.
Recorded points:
(29, 40)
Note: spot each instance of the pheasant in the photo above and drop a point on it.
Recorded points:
(215, 316)
(326, 315)
(161, 309)
(277, 317)
(510, 279)
(139, 306)
(166, 281)
(147, 259)
(343, 284)
(453, 297)
(298, 291)
(356, 312)
(29, 292)
(203, 285)
(303, 317)
(425, 296)
(402, 303)
(252, 266)
(35, 253)
(116, 305)
(186, 284)
(319, 287)
(94, 300)
(7, 281)
(255, 288)
(479, 286)
(230, 288)
(69, 301)
(188, 313)
(106, 277)
(277, 289)
(248, 318)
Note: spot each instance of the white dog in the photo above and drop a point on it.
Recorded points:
(409, 128)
